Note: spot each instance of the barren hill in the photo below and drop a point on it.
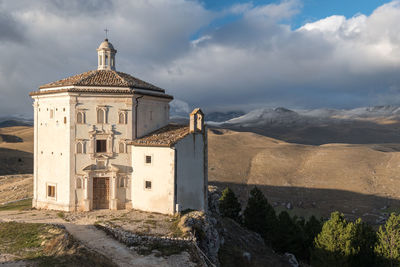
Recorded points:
(355, 179)
(16, 148)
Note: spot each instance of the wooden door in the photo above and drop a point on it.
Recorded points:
(101, 192)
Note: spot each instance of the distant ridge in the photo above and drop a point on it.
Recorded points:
(365, 125)
(12, 123)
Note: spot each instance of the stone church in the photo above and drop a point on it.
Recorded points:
(102, 140)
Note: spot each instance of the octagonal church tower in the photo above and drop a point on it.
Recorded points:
(83, 125)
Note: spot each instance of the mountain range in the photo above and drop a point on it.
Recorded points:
(367, 125)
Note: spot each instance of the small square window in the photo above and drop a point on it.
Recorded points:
(148, 159)
(51, 191)
(147, 185)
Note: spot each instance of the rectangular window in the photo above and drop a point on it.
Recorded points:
(122, 182)
(121, 147)
(101, 146)
(51, 113)
(147, 185)
(65, 120)
(51, 191)
(148, 159)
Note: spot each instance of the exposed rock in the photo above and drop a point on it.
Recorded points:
(247, 256)
(292, 259)
(204, 228)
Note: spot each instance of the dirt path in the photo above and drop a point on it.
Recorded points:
(98, 241)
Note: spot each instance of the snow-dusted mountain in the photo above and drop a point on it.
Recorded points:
(380, 124)
(283, 116)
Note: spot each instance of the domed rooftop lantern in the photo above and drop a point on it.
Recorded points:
(106, 56)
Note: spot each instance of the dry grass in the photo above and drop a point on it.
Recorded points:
(355, 179)
(25, 204)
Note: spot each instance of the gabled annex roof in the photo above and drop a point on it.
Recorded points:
(109, 78)
(166, 136)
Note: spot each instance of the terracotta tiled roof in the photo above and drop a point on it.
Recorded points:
(166, 136)
(103, 78)
(103, 91)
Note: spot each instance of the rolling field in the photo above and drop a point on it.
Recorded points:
(357, 179)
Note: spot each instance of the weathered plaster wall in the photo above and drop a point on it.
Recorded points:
(160, 198)
(152, 114)
(190, 172)
(52, 151)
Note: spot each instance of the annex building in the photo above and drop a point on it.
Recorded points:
(102, 140)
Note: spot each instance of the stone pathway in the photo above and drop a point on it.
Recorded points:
(98, 241)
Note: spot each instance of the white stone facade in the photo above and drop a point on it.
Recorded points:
(84, 128)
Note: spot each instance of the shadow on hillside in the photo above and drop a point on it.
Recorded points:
(15, 161)
(320, 202)
(10, 138)
(349, 132)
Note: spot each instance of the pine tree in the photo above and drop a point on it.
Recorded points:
(311, 229)
(229, 205)
(363, 241)
(333, 246)
(259, 215)
(388, 245)
(290, 235)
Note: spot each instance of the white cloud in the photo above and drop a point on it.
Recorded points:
(255, 60)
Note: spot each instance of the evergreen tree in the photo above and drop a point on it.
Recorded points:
(388, 245)
(363, 241)
(290, 236)
(259, 215)
(229, 205)
(333, 246)
(311, 229)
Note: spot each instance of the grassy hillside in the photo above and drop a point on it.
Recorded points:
(16, 150)
(359, 180)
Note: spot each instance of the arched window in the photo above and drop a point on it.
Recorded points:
(51, 113)
(78, 183)
(106, 63)
(79, 148)
(80, 117)
(101, 116)
(122, 119)
(121, 147)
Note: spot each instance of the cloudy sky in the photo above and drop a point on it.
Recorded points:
(219, 55)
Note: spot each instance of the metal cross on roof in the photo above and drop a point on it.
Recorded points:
(106, 30)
